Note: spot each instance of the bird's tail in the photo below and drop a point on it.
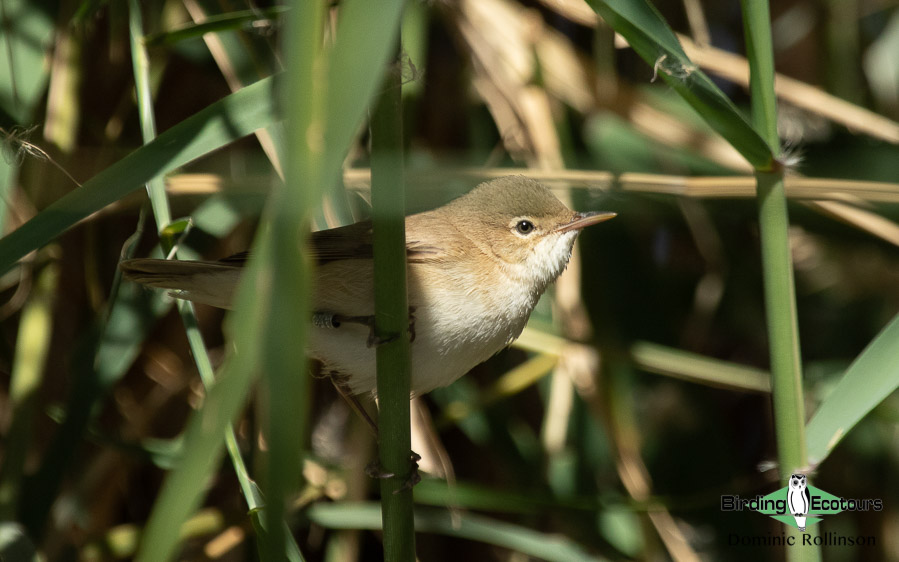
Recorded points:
(206, 282)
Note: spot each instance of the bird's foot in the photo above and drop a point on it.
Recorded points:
(412, 327)
(329, 320)
(374, 469)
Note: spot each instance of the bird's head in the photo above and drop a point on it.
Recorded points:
(520, 225)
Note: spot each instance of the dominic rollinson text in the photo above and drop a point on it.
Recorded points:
(825, 539)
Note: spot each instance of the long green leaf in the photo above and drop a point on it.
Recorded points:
(872, 377)
(162, 213)
(265, 323)
(349, 515)
(283, 310)
(698, 368)
(225, 121)
(140, 63)
(220, 22)
(651, 37)
(364, 27)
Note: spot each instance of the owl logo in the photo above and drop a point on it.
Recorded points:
(798, 498)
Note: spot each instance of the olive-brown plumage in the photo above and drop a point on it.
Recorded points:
(476, 268)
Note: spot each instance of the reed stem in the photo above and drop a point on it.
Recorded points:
(392, 319)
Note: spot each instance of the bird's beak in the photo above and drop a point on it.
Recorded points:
(583, 220)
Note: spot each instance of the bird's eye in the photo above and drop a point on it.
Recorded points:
(524, 227)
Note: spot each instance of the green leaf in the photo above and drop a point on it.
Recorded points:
(698, 368)
(436, 492)
(175, 231)
(219, 22)
(264, 323)
(872, 377)
(353, 79)
(552, 547)
(225, 121)
(651, 37)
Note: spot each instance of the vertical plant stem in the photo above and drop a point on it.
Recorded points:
(140, 63)
(780, 306)
(159, 200)
(162, 214)
(285, 309)
(780, 297)
(392, 319)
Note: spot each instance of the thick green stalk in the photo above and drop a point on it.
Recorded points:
(760, 53)
(392, 319)
(783, 334)
(780, 296)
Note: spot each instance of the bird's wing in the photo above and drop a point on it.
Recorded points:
(430, 242)
(353, 241)
(208, 282)
(342, 243)
(239, 259)
(349, 242)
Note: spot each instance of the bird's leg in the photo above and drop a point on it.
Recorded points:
(374, 468)
(355, 405)
(330, 320)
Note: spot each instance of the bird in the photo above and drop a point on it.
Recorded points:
(476, 268)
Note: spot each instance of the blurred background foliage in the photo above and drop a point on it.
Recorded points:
(638, 394)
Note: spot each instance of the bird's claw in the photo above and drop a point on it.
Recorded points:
(375, 470)
(374, 340)
(412, 332)
(414, 476)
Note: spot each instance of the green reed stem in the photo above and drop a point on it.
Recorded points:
(162, 213)
(392, 318)
(780, 297)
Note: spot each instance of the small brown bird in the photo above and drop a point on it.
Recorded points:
(476, 268)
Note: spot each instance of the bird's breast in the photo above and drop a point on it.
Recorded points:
(460, 319)
(471, 312)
